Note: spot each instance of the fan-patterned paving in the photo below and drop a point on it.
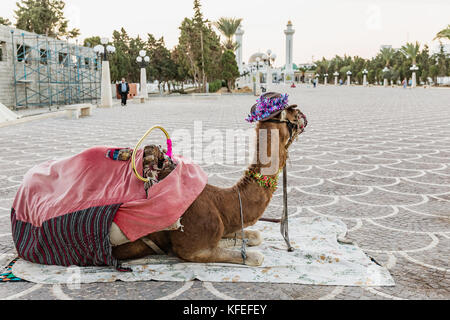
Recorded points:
(377, 158)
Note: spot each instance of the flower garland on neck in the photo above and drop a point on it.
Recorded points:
(264, 181)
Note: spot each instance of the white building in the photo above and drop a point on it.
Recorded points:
(261, 66)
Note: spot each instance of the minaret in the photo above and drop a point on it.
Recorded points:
(239, 34)
(289, 71)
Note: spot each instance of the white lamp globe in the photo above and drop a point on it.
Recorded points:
(269, 52)
(139, 59)
(110, 49)
(104, 40)
(99, 49)
(147, 59)
(274, 56)
(142, 53)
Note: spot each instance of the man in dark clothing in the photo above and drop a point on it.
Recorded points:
(124, 89)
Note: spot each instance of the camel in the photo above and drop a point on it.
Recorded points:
(214, 218)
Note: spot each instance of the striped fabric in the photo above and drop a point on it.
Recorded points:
(75, 239)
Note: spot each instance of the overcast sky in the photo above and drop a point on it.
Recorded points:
(323, 27)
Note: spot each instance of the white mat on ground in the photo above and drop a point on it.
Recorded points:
(318, 259)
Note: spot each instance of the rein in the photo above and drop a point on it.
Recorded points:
(244, 241)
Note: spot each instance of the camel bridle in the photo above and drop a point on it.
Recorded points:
(295, 128)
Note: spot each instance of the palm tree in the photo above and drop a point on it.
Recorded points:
(444, 34)
(387, 54)
(412, 50)
(228, 27)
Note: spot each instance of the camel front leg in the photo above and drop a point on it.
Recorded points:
(221, 255)
(254, 239)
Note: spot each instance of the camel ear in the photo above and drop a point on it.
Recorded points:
(283, 116)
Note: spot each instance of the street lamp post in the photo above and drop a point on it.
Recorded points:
(385, 81)
(349, 75)
(325, 80)
(103, 50)
(336, 75)
(317, 80)
(143, 60)
(414, 68)
(256, 82)
(246, 73)
(365, 72)
(269, 60)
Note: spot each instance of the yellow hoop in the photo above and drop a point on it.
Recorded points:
(133, 156)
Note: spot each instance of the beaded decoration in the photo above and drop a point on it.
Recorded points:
(264, 181)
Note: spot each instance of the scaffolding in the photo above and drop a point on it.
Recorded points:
(50, 72)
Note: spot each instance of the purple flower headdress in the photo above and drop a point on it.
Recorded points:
(266, 106)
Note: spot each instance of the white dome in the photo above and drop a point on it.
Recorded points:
(254, 56)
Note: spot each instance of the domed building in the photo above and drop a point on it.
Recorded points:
(254, 56)
(261, 66)
(263, 63)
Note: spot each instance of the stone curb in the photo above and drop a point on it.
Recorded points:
(33, 118)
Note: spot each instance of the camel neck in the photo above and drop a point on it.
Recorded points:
(255, 199)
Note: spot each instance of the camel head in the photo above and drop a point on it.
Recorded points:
(276, 129)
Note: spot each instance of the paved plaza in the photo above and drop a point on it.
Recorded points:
(377, 158)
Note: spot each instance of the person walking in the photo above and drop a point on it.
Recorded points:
(124, 89)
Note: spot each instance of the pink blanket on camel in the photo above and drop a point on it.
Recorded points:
(89, 179)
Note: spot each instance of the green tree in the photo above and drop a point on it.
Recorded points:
(201, 47)
(228, 27)
(387, 54)
(121, 62)
(434, 72)
(412, 50)
(189, 49)
(443, 34)
(182, 67)
(442, 61)
(162, 67)
(135, 45)
(343, 71)
(44, 17)
(424, 61)
(230, 70)
(4, 21)
(92, 42)
(357, 66)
